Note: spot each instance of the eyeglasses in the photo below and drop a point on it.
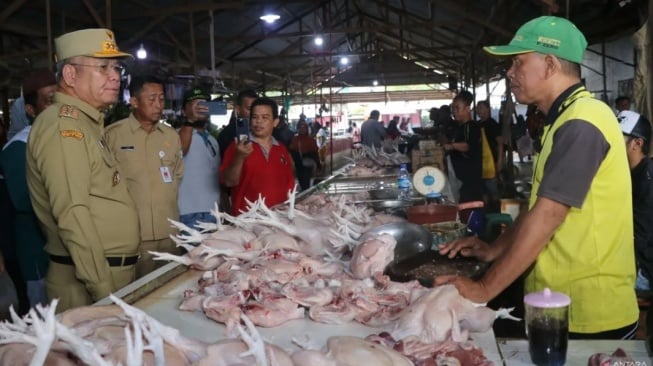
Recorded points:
(104, 68)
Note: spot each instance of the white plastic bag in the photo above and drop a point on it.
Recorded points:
(452, 188)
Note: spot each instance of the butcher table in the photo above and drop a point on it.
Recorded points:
(515, 351)
(160, 299)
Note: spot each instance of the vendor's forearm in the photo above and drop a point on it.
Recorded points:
(457, 146)
(232, 173)
(461, 146)
(529, 237)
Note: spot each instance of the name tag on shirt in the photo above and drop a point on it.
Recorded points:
(165, 174)
(128, 148)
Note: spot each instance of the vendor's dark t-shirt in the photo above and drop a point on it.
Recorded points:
(468, 165)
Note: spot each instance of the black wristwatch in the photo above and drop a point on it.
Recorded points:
(188, 123)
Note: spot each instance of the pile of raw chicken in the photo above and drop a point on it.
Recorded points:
(270, 266)
(370, 161)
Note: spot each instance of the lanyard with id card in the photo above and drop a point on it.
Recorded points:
(165, 171)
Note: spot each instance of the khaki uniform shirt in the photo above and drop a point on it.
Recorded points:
(151, 164)
(77, 192)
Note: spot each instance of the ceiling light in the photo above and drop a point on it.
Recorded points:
(318, 41)
(344, 60)
(376, 83)
(270, 18)
(141, 53)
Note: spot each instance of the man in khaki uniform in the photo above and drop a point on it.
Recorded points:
(149, 157)
(90, 221)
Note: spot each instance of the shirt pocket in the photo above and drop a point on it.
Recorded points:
(108, 158)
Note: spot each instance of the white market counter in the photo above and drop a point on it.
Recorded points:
(163, 301)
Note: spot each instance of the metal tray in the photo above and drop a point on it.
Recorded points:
(380, 205)
(431, 261)
(359, 184)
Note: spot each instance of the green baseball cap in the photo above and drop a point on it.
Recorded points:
(548, 35)
(195, 93)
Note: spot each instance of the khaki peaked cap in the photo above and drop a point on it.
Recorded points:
(92, 42)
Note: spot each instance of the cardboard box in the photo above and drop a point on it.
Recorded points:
(427, 144)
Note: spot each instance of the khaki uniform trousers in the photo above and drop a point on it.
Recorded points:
(61, 283)
(145, 263)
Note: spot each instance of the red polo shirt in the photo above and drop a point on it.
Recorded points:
(270, 175)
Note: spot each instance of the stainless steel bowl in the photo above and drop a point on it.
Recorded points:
(384, 194)
(411, 239)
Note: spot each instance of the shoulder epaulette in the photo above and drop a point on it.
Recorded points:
(68, 111)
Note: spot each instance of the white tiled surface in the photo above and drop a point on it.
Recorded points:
(162, 304)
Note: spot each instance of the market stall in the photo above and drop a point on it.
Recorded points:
(160, 293)
(163, 304)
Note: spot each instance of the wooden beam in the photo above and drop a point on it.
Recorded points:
(178, 44)
(15, 5)
(189, 8)
(108, 13)
(478, 18)
(283, 26)
(94, 13)
(22, 29)
(136, 37)
(326, 54)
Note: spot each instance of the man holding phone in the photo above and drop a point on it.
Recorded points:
(258, 165)
(199, 188)
(240, 115)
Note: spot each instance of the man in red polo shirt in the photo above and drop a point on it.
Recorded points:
(259, 164)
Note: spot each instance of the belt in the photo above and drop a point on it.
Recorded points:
(113, 261)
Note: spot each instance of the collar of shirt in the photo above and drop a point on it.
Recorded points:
(265, 152)
(134, 124)
(557, 107)
(86, 108)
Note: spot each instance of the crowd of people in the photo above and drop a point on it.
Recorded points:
(91, 201)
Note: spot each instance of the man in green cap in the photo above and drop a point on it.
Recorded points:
(577, 236)
(89, 219)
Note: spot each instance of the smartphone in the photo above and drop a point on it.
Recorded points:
(203, 103)
(217, 108)
(242, 129)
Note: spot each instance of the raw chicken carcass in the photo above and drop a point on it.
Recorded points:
(439, 313)
(372, 256)
(230, 353)
(354, 351)
(313, 358)
(337, 312)
(272, 312)
(251, 350)
(306, 294)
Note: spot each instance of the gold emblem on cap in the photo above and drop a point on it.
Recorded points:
(116, 178)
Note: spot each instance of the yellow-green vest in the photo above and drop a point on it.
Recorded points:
(591, 255)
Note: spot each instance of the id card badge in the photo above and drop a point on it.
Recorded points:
(165, 174)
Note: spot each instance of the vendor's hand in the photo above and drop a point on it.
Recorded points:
(243, 148)
(474, 291)
(467, 247)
